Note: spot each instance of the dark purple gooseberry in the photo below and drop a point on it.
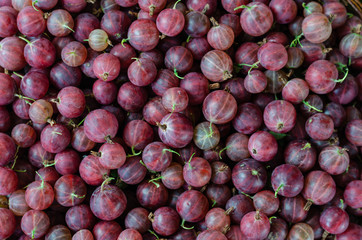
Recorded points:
(154, 111)
(8, 23)
(34, 85)
(278, 228)
(197, 172)
(175, 130)
(249, 176)
(111, 155)
(104, 92)
(196, 86)
(132, 171)
(84, 24)
(220, 36)
(137, 134)
(219, 107)
(277, 37)
(313, 51)
(301, 154)
(247, 55)
(334, 220)
(319, 188)
(39, 195)
(218, 195)
(353, 132)
(35, 224)
(255, 223)
(87, 66)
(217, 66)
(100, 126)
(256, 19)
(157, 156)
(350, 45)
(319, 126)
(8, 182)
(311, 105)
(74, 54)
(280, 116)
(175, 99)
(55, 138)
(137, 219)
(31, 22)
(287, 180)
(255, 81)
(142, 72)
(62, 75)
(44, 4)
(262, 146)
(248, 118)
(80, 141)
(292, 209)
(236, 87)
(165, 221)
(344, 92)
(38, 156)
(334, 160)
(221, 172)
(39, 53)
(143, 35)
(155, 55)
(60, 23)
(295, 57)
(12, 53)
(80, 217)
(172, 176)
(152, 195)
(131, 98)
(7, 148)
(106, 67)
(198, 47)
(108, 202)
(91, 171)
(7, 89)
(67, 162)
(107, 230)
(115, 23)
(337, 12)
(70, 190)
(197, 24)
(178, 59)
(165, 79)
(17, 203)
(316, 28)
(237, 147)
(233, 21)
(266, 202)
(71, 102)
(241, 204)
(352, 194)
(273, 56)
(170, 21)
(284, 11)
(192, 206)
(295, 91)
(125, 54)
